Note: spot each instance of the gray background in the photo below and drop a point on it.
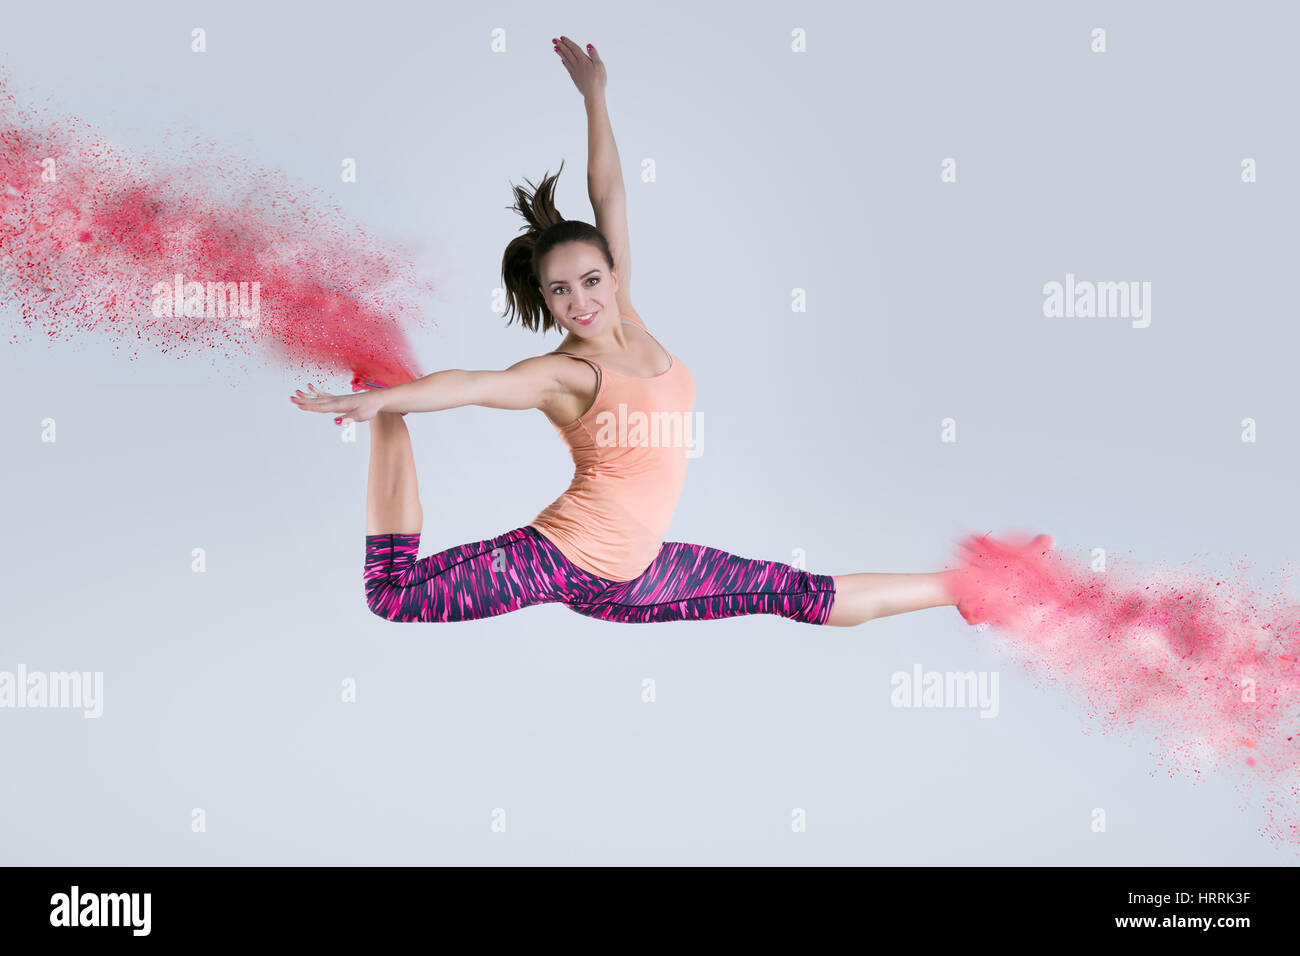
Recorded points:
(775, 171)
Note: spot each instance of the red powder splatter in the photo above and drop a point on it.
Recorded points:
(1204, 664)
(89, 236)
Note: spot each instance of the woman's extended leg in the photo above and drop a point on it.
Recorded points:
(690, 582)
(392, 493)
(864, 597)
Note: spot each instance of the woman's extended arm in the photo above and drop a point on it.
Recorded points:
(526, 384)
(531, 383)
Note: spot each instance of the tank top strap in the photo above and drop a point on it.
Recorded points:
(600, 372)
(671, 358)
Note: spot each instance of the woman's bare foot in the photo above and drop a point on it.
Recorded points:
(983, 554)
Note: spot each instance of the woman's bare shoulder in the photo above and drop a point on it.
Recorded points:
(565, 382)
(569, 370)
(548, 363)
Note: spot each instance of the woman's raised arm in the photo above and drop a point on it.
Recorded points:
(604, 174)
(604, 168)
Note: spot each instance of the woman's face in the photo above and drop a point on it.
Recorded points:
(579, 288)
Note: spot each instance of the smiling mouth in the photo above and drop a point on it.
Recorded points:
(584, 320)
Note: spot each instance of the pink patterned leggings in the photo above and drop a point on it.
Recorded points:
(685, 582)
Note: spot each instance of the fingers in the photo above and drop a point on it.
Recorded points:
(569, 52)
(318, 401)
(563, 51)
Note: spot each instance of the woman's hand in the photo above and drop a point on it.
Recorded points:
(359, 407)
(586, 68)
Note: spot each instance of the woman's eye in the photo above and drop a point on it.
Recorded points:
(564, 288)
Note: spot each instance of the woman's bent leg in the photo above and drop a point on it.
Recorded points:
(464, 583)
(392, 493)
(690, 582)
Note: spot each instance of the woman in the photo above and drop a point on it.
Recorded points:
(624, 406)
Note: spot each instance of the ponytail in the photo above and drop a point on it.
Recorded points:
(544, 229)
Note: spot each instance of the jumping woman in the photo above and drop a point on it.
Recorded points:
(599, 548)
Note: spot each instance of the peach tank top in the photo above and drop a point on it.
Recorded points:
(630, 451)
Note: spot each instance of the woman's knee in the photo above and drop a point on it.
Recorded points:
(386, 603)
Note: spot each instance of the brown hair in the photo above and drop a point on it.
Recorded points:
(546, 229)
